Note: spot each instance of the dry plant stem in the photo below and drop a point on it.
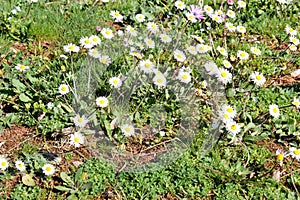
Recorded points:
(293, 182)
(23, 142)
(23, 78)
(248, 153)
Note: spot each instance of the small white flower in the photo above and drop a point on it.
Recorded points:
(165, 38)
(233, 127)
(225, 116)
(184, 77)
(116, 16)
(22, 68)
(128, 130)
(180, 5)
(258, 78)
(162, 133)
(255, 51)
(274, 110)
(50, 105)
(20, 165)
(80, 121)
(229, 110)
(241, 29)
(146, 66)
(208, 9)
(152, 27)
(131, 31)
(160, 80)
(230, 14)
(216, 18)
(63, 89)
(224, 76)
(94, 53)
(227, 64)
(211, 68)
(107, 33)
(63, 57)
(179, 55)
(102, 102)
(296, 102)
(292, 32)
(203, 48)
(116, 82)
(86, 43)
(149, 43)
(293, 47)
(230, 27)
(48, 169)
(105, 60)
(241, 4)
(76, 139)
(294, 40)
(3, 163)
(295, 153)
(222, 51)
(95, 40)
(242, 55)
(191, 17)
(71, 48)
(192, 50)
(140, 17)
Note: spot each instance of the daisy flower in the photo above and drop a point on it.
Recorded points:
(224, 76)
(191, 17)
(140, 17)
(230, 27)
(280, 155)
(225, 117)
(149, 43)
(179, 55)
(116, 16)
(22, 68)
(160, 80)
(229, 110)
(86, 43)
(94, 53)
(296, 102)
(242, 55)
(152, 27)
(63, 89)
(293, 47)
(120, 33)
(222, 51)
(211, 68)
(128, 130)
(116, 82)
(80, 121)
(197, 12)
(184, 77)
(102, 102)
(294, 40)
(208, 9)
(192, 50)
(146, 66)
(3, 163)
(95, 40)
(216, 18)
(255, 51)
(105, 60)
(197, 38)
(258, 78)
(230, 14)
(76, 139)
(48, 169)
(292, 32)
(274, 110)
(180, 5)
(165, 38)
(202, 48)
(241, 4)
(107, 33)
(295, 153)
(71, 48)
(227, 64)
(233, 127)
(241, 29)
(20, 165)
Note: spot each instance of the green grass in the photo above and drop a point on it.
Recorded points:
(232, 169)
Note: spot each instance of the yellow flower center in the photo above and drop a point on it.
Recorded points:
(147, 65)
(233, 127)
(275, 110)
(223, 74)
(48, 169)
(115, 82)
(87, 41)
(101, 101)
(64, 88)
(258, 77)
(76, 139)
(107, 32)
(159, 80)
(104, 60)
(127, 129)
(20, 165)
(280, 157)
(72, 48)
(22, 67)
(80, 120)
(297, 152)
(230, 110)
(3, 164)
(185, 76)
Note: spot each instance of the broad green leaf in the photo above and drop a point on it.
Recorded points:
(23, 97)
(18, 84)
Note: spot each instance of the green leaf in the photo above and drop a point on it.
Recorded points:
(66, 178)
(62, 188)
(72, 197)
(27, 180)
(23, 97)
(18, 84)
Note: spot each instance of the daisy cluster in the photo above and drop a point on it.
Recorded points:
(292, 152)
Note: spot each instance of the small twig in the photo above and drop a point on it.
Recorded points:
(293, 182)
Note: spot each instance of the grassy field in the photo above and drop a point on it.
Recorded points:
(149, 99)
